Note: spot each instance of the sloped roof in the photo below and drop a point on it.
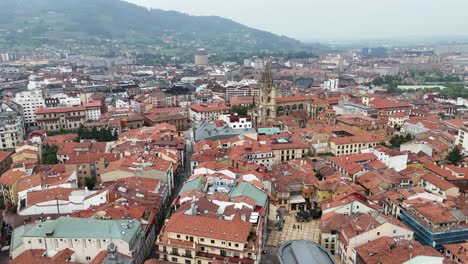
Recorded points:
(249, 190)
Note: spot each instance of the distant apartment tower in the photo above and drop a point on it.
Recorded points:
(331, 85)
(11, 125)
(201, 59)
(30, 101)
(374, 52)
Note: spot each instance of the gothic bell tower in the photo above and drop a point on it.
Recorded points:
(267, 104)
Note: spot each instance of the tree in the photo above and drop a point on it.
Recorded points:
(396, 141)
(242, 110)
(455, 156)
(90, 183)
(49, 154)
(94, 133)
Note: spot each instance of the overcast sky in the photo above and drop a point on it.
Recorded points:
(334, 19)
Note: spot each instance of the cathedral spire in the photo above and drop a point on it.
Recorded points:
(266, 76)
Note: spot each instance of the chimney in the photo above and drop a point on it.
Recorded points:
(243, 217)
(112, 252)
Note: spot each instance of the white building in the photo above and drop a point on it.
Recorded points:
(121, 104)
(462, 137)
(393, 159)
(416, 147)
(61, 201)
(30, 101)
(347, 207)
(236, 122)
(209, 112)
(331, 84)
(65, 100)
(31, 184)
(93, 110)
(11, 125)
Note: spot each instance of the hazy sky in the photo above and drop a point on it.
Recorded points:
(334, 19)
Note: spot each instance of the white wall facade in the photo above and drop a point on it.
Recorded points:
(30, 101)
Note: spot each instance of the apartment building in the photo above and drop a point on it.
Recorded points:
(30, 101)
(209, 112)
(349, 141)
(11, 125)
(287, 147)
(242, 92)
(86, 237)
(54, 119)
(393, 159)
(5, 161)
(365, 228)
(90, 165)
(435, 224)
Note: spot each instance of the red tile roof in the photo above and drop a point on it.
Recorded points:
(10, 177)
(438, 181)
(56, 110)
(230, 230)
(41, 196)
(4, 155)
(210, 107)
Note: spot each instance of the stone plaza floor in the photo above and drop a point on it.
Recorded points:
(308, 231)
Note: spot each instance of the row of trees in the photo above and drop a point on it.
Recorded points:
(241, 110)
(101, 135)
(397, 140)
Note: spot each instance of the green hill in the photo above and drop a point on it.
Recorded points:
(35, 22)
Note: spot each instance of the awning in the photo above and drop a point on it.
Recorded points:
(296, 199)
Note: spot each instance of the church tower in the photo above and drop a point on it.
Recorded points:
(267, 104)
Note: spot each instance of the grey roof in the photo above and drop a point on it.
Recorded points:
(70, 227)
(195, 184)
(247, 189)
(304, 251)
(207, 130)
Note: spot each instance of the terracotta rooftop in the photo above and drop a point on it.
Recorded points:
(4, 155)
(235, 230)
(438, 181)
(10, 177)
(386, 250)
(460, 251)
(57, 110)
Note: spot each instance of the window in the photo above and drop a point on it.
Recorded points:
(174, 259)
(378, 233)
(394, 231)
(212, 241)
(202, 239)
(88, 258)
(178, 236)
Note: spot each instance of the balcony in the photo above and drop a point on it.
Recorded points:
(225, 259)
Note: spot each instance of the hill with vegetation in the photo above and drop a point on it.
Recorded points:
(33, 23)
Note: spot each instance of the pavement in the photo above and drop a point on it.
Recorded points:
(307, 231)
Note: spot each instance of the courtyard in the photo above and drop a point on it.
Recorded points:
(307, 230)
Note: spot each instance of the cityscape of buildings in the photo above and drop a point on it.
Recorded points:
(358, 156)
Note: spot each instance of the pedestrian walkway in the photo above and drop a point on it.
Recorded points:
(295, 230)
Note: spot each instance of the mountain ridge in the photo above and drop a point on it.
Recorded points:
(46, 20)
